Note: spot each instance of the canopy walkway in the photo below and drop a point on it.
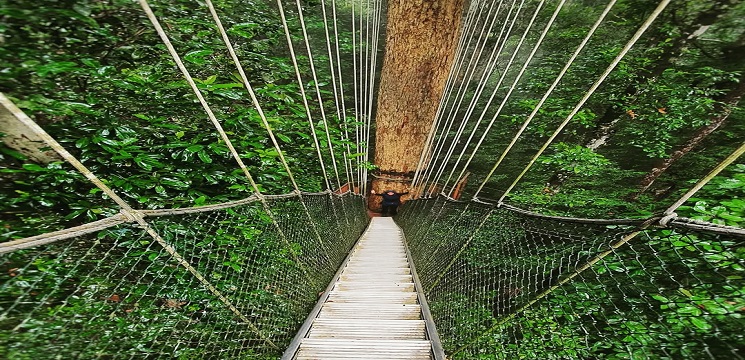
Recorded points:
(271, 276)
(372, 310)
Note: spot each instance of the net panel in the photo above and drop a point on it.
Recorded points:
(118, 293)
(669, 293)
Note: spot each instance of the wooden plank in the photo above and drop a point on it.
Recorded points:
(368, 329)
(371, 311)
(346, 285)
(364, 349)
(374, 297)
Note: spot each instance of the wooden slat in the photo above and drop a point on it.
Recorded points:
(360, 329)
(364, 349)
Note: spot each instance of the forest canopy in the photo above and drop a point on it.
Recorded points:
(95, 75)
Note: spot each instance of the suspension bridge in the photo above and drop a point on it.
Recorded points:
(311, 276)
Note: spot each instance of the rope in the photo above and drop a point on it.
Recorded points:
(439, 116)
(449, 85)
(250, 90)
(48, 238)
(511, 89)
(127, 211)
(707, 226)
(159, 29)
(318, 89)
(491, 65)
(320, 104)
(356, 95)
(722, 165)
(300, 82)
(448, 93)
(167, 42)
(343, 117)
(548, 93)
(364, 81)
(592, 89)
(54, 145)
(372, 58)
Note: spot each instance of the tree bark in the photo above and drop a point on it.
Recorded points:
(421, 37)
(728, 103)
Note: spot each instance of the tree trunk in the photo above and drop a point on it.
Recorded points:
(421, 38)
(729, 102)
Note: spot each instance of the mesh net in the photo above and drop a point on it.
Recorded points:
(238, 282)
(505, 283)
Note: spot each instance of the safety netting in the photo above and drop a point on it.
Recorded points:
(233, 280)
(504, 283)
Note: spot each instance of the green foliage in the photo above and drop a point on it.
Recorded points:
(111, 95)
(119, 292)
(722, 201)
(668, 293)
(677, 102)
(576, 159)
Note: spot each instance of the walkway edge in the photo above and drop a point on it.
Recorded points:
(292, 349)
(437, 350)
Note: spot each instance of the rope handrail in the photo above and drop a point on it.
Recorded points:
(642, 29)
(497, 50)
(517, 79)
(64, 234)
(546, 95)
(303, 96)
(721, 166)
(694, 224)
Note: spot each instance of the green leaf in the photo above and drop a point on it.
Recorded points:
(55, 68)
(284, 138)
(33, 167)
(209, 80)
(204, 156)
(175, 183)
(700, 323)
(82, 142)
(195, 148)
(197, 57)
(12, 153)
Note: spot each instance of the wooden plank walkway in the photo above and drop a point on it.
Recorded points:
(372, 311)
